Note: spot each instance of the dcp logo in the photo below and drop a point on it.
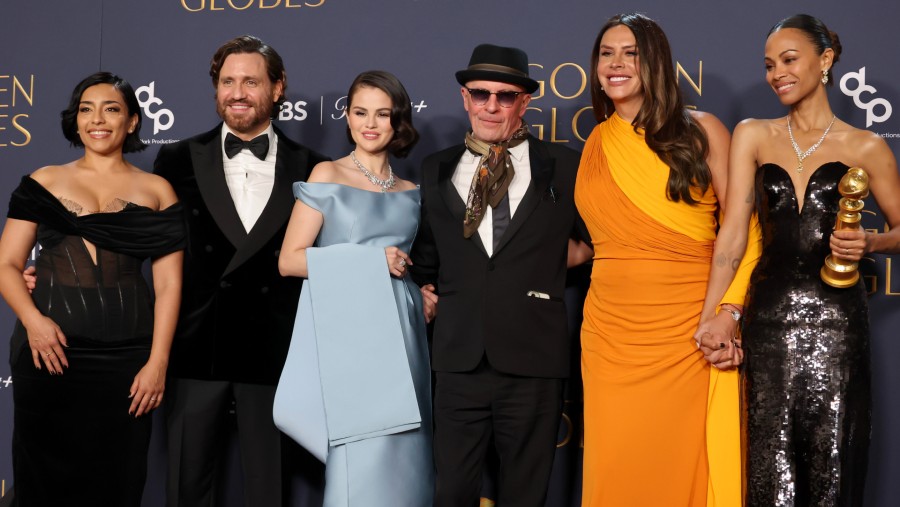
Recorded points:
(162, 118)
(862, 87)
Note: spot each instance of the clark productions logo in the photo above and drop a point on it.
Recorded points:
(161, 117)
(869, 106)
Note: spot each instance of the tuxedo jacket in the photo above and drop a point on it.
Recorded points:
(508, 306)
(237, 311)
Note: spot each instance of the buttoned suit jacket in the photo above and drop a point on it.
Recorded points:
(509, 305)
(237, 311)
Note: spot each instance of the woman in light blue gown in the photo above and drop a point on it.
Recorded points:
(356, 386)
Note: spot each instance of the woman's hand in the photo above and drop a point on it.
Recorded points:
(147, 389)
(47, 343)
(397, 261)
(716, 338)
(849, 245)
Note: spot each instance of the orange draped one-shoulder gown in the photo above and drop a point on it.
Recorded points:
(661, 427)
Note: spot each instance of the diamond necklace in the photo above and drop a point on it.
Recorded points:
(385, 184)
(802, 156)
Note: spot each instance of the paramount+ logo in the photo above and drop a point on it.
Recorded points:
(877, 109)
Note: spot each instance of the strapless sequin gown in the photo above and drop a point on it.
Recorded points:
(807, 354)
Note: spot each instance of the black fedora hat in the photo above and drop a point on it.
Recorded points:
(497, 63)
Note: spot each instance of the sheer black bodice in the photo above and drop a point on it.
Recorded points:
(103, 301)
(74, 442)
(807, 346)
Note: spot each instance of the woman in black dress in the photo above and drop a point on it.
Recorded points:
(90, 348)
(806, 343)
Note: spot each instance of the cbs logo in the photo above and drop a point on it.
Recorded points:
(162, 118)
(862, 87)
(292, 111)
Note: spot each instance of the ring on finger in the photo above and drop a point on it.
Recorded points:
(402, 263)
(152, 398)
(48, 354)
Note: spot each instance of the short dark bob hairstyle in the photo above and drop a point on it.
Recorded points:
(69, 116)
(405, 135)
(249, 44)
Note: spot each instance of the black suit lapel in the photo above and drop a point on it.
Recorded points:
(290, 165)
(209, 171)
(542, 168)
(451, 197)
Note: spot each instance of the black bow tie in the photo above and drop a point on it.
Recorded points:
(259, 145)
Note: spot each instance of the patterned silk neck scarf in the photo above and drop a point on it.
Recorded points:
(492, 178)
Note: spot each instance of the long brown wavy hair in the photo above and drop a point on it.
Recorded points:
(669, 129)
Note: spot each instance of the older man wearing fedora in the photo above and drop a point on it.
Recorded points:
(497, 219)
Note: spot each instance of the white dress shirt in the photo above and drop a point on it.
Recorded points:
(250, 180)
(462, 180)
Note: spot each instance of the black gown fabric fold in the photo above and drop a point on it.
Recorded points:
(73, 441)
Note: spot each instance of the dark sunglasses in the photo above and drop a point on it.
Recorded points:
(504, 98)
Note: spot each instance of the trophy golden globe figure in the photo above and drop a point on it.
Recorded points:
(854, 187)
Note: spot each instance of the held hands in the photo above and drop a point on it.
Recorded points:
(430, 300)
(716, 339)
(146, 391)
(849, 245)
(397, 261)
(47, 343)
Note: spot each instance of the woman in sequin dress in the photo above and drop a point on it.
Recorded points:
(806, 343)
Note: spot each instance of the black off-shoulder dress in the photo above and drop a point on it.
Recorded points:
(73, 441)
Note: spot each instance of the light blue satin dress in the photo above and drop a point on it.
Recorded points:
(356, 387)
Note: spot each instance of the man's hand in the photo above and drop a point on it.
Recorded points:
(430, 299)
(30, 278)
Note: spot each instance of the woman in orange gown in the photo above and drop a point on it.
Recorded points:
(661, 426)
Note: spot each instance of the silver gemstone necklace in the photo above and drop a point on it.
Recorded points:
(385, 184)
(802, 156)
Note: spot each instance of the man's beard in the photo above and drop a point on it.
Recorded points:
(258, 115)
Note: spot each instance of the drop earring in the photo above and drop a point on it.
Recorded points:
(824, 77)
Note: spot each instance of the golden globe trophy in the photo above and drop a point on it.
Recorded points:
(854, 186)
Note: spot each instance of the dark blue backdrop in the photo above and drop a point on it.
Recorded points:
(164, 47)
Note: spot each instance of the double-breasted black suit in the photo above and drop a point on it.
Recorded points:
(234, 328)
(237, 311)
(500, 343)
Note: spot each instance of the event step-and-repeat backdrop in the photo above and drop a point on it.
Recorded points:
(163, 48)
